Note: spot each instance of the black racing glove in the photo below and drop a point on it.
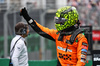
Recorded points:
(24, 13)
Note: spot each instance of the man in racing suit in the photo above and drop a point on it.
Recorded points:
(71, 44)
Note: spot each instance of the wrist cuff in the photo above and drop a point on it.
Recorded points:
(30, 21)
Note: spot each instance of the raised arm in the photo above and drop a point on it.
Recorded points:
(43, 31)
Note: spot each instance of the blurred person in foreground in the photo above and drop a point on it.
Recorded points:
(18, 50)
(71, 43)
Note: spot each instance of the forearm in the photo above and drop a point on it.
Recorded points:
(39, 29)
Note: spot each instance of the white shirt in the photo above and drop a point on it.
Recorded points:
(20, 55)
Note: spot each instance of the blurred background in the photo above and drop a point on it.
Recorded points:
(43, 11)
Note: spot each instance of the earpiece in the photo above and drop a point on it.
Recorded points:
(22, 31)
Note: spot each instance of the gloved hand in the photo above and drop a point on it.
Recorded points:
(24, 13)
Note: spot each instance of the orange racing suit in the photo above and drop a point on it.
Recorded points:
(76, 52)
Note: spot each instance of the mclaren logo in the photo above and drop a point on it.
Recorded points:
(64, 49)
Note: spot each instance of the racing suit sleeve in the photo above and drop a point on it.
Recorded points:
(43, 31)
(82, 51)
(16, 53)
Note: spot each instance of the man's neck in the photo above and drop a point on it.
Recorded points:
(23, 36)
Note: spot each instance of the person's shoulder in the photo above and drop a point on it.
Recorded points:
(21, 42)
(81, 35)
(14, 39)
(54, 30)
